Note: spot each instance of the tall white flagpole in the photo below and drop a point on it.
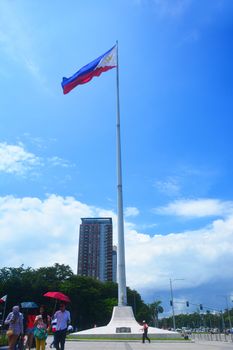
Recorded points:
(122, 296)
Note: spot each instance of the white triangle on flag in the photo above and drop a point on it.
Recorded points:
(3, 299)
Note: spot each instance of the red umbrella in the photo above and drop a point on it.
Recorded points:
(58, 296)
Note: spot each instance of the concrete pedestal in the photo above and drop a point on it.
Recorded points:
(124, 325)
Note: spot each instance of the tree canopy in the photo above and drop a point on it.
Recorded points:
(92, 301)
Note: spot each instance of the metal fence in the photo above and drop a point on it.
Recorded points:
(222, 337)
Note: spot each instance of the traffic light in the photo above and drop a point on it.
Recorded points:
(201, 307)
(171, 303)
(187, 303)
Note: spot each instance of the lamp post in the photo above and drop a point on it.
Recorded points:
(223, 323)
(172, 301)
(228, 313)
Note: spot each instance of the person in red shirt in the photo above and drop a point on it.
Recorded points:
(145, 332)
(30, 319)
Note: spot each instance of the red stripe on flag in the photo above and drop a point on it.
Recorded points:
(85, 78)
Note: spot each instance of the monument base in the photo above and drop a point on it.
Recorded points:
(124, 325)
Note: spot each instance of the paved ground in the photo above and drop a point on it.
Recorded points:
(123, 345)
(152, 346)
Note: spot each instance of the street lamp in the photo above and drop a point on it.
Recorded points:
(228, 313)
(223, 323)
(172, 301)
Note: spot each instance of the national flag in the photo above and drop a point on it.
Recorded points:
(93, 69)
(3, 299)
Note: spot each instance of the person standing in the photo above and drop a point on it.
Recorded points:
(29, 319)
(42, 325)
(40, 332)
(15, 322)
(63, 320)
(46, 318)
(145, 332)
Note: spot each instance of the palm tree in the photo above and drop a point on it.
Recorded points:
(155, 309)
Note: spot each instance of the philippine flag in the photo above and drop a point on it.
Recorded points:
(3, 299)
(94, 69)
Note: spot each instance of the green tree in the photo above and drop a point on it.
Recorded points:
(92, 301)
(27, 284)
(155, 309)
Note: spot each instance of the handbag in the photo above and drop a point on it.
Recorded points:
(40, 333)
(9, 332)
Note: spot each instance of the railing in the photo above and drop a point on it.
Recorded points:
(222, 337)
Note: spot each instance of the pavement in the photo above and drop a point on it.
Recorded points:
(124, 345)
(137, 345)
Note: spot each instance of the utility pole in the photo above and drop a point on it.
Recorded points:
(172, 300)
(172, 305)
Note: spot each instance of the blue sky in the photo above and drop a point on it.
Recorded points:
(57, 153)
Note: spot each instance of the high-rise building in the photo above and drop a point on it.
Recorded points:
(95, 248)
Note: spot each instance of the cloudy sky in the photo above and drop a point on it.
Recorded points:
(57, 153)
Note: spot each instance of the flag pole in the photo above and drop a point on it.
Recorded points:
(122, 296)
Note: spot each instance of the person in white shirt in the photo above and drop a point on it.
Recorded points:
(63, 320)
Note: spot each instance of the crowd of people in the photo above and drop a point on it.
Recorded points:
(24, 330)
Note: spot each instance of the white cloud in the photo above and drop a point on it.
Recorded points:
(37, 232)
(14, 159)
(16, 40)
(32, 228)
(38, 142)
(57, 161)
(206, 253)
(170, 187)
(196, 208)
(131, 211)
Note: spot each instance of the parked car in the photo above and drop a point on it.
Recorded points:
(178, 330)
(214, 330)
(186, 330)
